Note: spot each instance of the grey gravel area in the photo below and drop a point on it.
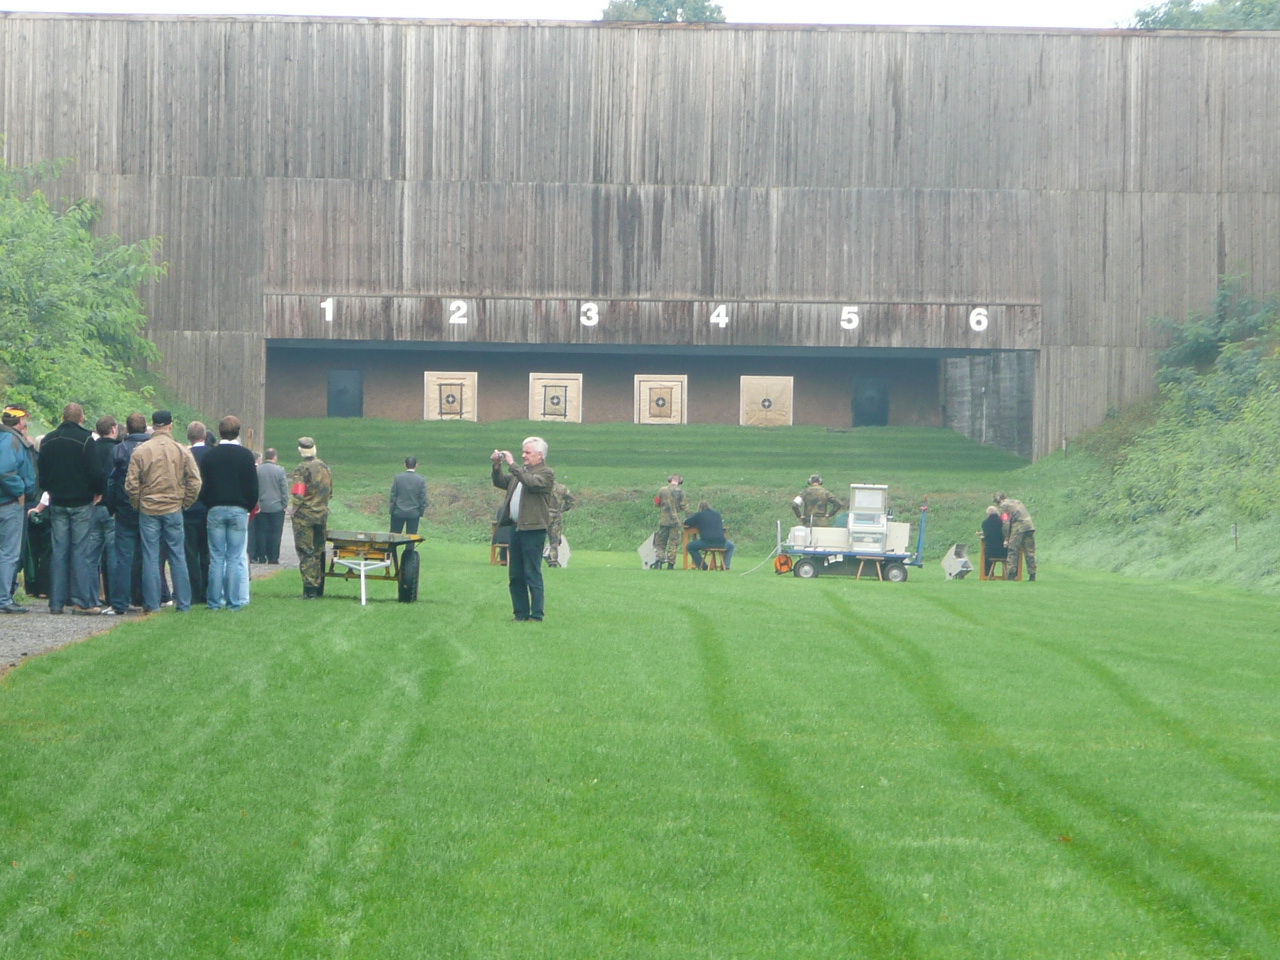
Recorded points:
(23, 636)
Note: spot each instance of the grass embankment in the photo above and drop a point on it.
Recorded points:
(675, 765)
(749, 475)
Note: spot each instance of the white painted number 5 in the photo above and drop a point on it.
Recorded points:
(849, 318)
(458, 311)
(978, 319)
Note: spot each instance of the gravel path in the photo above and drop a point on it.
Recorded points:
(29, 635)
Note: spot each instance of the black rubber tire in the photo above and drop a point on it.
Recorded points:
(409, 570)
(805, 569)
(895, 572)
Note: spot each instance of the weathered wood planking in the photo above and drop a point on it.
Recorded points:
(1100, 177)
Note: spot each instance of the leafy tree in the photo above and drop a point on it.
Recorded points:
(664, 11)
(71, 320)
(1215, 360)
(1212, 15)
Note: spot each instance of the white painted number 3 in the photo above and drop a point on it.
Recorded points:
(978, 319)
(458, 311)
(849, 318)
(590, 315)
(720, 316)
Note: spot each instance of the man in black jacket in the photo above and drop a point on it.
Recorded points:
(710, 527)
(72, 476)
(102, 536)
(128, 540)
(229, 492)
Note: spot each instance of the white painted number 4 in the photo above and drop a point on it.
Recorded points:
(720, 316)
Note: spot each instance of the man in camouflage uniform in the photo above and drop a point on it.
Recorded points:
(667, 540)
(311, 486)
(815, 505)
(562, 502)
(1019, 536)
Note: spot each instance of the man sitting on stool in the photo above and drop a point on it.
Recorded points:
(710, 527)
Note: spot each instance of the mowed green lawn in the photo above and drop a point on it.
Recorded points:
(674, 765)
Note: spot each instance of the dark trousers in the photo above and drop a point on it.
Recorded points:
(265, 531)
(195, 543)
(524, 572)
(405, 525)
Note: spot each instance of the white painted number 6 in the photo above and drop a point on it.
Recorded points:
(590, 315)
(978, 319)
(458, 311)
(849, 318)
(720, 316)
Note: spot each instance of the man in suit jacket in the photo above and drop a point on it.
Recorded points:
(408, 499)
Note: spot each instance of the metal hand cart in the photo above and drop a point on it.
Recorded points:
(375, 556)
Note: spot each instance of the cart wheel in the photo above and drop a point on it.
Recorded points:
(782, 563)
(895, 572)
(409, 577)
(805, 569)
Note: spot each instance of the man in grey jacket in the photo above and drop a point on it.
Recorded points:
(408, 499)
(530, 487)
(273, 499)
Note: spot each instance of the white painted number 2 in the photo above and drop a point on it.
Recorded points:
(978, 319)
(458, 311)
(849, 318)
(720, 316)
(590, 314)
(326, 307)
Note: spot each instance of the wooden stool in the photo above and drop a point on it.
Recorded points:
(713, 558)
(497, 551)
(1003, 567)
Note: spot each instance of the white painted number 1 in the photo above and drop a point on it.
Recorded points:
(458, 311)
(849, 318)
(720, 316)
(590, 314)
(326, 307)
(978, 319)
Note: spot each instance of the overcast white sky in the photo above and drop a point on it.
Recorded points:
(1010, 13)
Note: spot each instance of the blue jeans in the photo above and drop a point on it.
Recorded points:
(228, 537)
(124, 549)
(71, 577)
(152, 529)
(697, 546)
(102, 536)
(12, 516)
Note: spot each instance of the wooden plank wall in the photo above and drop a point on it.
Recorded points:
(1098, 178)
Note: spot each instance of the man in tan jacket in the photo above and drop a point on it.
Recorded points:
(163, 480)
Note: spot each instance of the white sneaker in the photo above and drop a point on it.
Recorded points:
(109, 612)
(167, 603)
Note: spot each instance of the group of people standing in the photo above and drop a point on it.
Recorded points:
(123, 502)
